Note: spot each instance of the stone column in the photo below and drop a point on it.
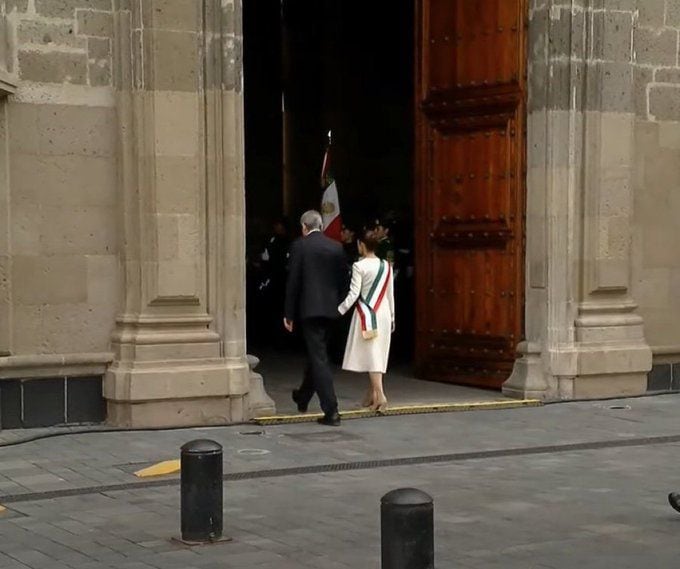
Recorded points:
(584, 338)
(8, 84)
(180, 338)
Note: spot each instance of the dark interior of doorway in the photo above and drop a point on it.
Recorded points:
(311, 66)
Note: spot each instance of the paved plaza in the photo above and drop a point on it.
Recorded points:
(563, 486)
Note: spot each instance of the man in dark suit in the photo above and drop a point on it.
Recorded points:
(317, 282)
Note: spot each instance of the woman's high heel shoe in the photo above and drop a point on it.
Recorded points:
(380, 406)
(367, 401)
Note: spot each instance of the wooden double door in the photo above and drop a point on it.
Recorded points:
(470, 188)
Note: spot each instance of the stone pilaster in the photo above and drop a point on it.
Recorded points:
(7, 87)
(179, 343)
(585, 338)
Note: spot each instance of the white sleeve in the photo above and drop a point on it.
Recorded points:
(354, 291)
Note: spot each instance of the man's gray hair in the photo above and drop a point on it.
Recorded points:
(312, 220)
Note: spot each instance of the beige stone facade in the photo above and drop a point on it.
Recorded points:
(602, 199)
(122, 202)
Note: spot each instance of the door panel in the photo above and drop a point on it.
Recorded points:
(470, 148)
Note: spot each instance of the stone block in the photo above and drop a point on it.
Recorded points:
(78, 328)
(559, 91)
(611, 88)
(673, 13)
(5, 305)
(188, 412)
(630, 5)
(97, 24)
(177, 279)
(669, 136)
(538, 34)
(614, 385)
(175, 15)
(555, 29)
(538, 86)
(613, 42)
(176, 183)
(67, 8)
(103, 280)
(642, 77)
(85, 131)
(232, 16)
(667, 75)
(652, 13)
(53, 67)
(168, 236)
(176, 60)
(656, 48)
(79, 230)
(664, 102)
(28, 333)
(64, 180)
(44, 33)
(177, 124)
(19, 6)
(99, 61)
(233, 65)
(189, 246)
(49, 280)
(618, 130)
(23, 127)
(25, 221)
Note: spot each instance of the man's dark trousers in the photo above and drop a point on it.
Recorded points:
(318, 375)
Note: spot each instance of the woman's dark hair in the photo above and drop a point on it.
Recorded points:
(370, 240)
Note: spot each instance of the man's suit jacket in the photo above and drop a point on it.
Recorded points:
(317, 278)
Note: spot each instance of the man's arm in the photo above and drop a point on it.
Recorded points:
(293, 284)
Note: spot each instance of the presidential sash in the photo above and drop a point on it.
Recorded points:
(368, 307)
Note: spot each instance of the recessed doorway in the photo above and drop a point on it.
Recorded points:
(426, 103)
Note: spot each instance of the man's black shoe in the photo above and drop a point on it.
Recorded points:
(302, 406)
(330, 420)
(674, 501)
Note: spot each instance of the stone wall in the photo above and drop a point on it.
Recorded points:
(656, 234)
(59, 250)
(585, 334)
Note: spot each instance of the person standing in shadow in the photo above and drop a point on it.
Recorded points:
(317, 281)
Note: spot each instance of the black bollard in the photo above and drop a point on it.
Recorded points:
(201, 501)
(407, 526)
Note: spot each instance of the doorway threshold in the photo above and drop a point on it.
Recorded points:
(403, 410)
(407, 395)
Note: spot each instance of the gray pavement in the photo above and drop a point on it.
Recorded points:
(602, 507)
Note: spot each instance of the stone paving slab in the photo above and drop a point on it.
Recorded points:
(95, 459)
(592, 509)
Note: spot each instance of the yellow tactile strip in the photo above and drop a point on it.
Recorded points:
(161, 469)
(404, 410)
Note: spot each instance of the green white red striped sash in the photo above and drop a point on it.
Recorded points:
(368, 307)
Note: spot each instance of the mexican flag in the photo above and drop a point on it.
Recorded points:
(330, 203)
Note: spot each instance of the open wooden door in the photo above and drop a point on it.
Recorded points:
(470, 188)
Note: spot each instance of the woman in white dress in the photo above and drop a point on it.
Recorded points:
(368, 343)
